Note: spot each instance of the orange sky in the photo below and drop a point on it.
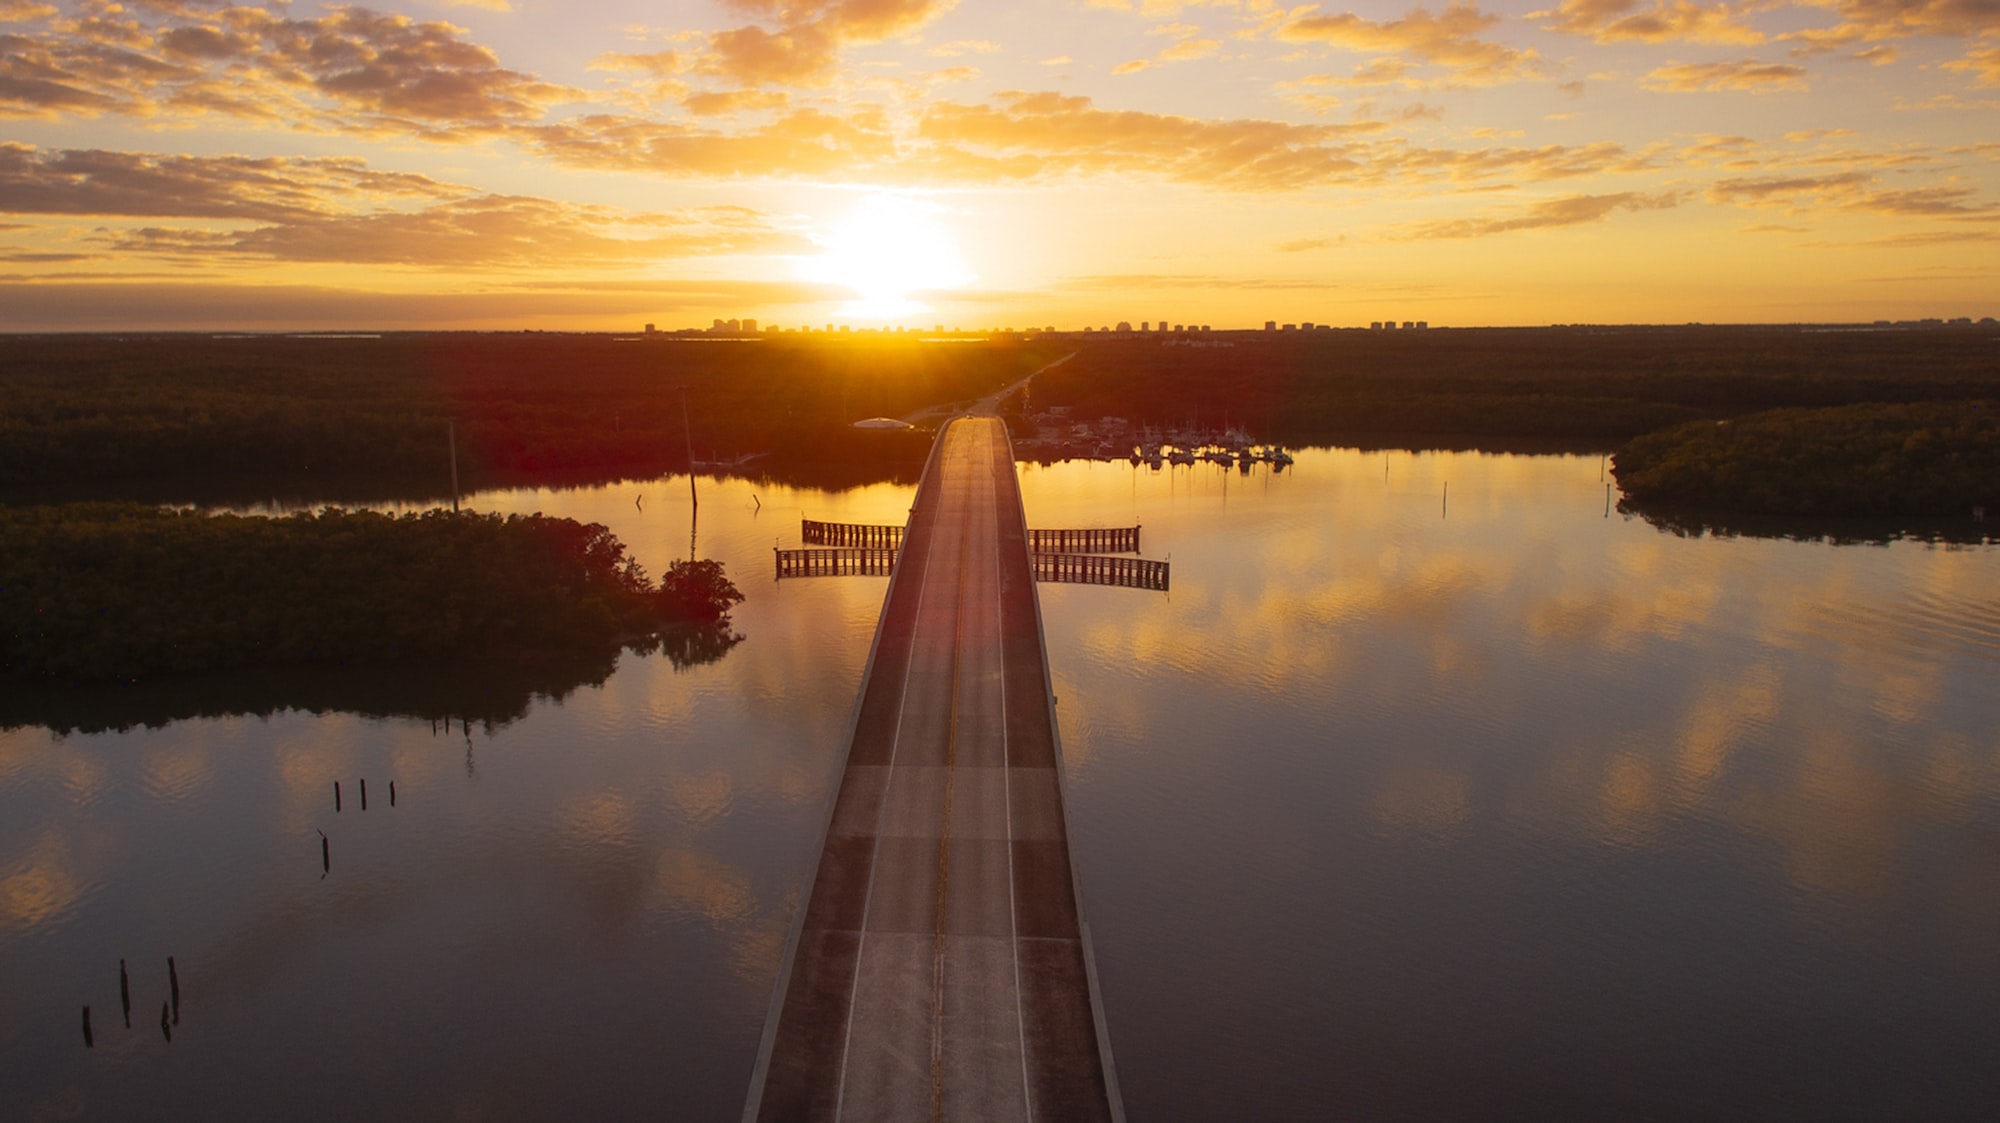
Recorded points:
(524, 163)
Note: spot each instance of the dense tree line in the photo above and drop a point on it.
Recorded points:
(489, 693)
(370, 415)
(1586, 389)
(104, 590)
(1930, 458)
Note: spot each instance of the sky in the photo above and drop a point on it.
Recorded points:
(584, 165)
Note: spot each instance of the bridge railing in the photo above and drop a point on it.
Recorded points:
(850, 534)
(1094, 569)
(1090, 540)
(1094, 540)
(849, 561)
(1069, 569)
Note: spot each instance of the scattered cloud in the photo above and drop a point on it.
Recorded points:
(352, 71)
(338, 210)
(1743, 75)
(1924, 238)
(723, 102)
(1983, 65)
(1142, 282)
(1305, 245)
(1570, 210)
(266, 189)
(959, 47)
(1855, 192)
(1449, 40)
(804, 48)
(487, 232)
(1783, 189)
(1132, 67)
(1188, 49)
(1613, 21)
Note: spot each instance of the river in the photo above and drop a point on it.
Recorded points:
(1433, 789)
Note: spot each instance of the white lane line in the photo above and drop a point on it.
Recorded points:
(1007, 786)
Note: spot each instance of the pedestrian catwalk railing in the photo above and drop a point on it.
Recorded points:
(850, 534)
(1095, 569)
(1067, 569)
(1090, 540)
(846, 561)
(1098, 540)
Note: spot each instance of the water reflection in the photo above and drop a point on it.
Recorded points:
(1419, 767)
(1518, 810)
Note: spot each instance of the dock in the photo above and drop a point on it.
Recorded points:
(940, 967)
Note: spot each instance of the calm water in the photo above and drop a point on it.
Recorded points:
(1393, 809)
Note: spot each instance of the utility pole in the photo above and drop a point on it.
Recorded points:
(451, 438)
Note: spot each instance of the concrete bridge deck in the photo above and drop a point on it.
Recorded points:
(940, 968)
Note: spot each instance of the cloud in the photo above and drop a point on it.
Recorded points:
(1852, 191)
(1303, 245)
(1746, 74)
(804, 142)
(1570, 210)
(1922, 239)
(720, 103)
(90, 303)
(1141, 282)
(1030, 135)
(1729, 151)
(338, 210)
(1612, 21)
(1190, 49)
(965, 47)
(804, 48)
(1449, 40)
(1781, 189)
(352, 70)
(1875, 20)
(263, 189)
(1982, 64)
(488, 232)
(24, 11)
(1132, 67)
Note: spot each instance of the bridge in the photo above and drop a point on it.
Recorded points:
(939, 967)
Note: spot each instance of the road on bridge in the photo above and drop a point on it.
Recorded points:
(940, 968)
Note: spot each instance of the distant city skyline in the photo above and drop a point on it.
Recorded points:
(516, 164)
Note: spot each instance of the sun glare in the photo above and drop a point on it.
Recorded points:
(889, 248)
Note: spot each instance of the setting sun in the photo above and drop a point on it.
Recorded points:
(888, 248)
